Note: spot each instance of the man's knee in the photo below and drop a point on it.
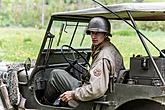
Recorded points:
(56, 73)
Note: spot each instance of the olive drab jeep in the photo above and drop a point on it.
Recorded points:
(141, 87)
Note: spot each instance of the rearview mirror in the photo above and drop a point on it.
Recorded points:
(27, 64)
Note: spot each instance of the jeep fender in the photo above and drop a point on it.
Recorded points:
(141, 104)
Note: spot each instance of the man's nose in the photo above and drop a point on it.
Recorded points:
(93, 35)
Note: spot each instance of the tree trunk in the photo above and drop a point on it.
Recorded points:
(27, 5)
(42, 19)
(0, 3)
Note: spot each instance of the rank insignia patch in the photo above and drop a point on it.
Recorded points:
(97, 72)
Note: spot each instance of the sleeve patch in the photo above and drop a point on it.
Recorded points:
(97, 72)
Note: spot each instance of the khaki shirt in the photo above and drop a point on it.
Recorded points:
(109, 61)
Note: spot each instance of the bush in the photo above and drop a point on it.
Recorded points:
(153, 26)
(124, 33)
(5, 19)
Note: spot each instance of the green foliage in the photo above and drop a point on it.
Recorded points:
(1, 43)
(124, 33)
(5, 18)
(29, 12)
(153, 26)
(27, 40)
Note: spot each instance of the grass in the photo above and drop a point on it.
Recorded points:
(16, 44)
(131, 45)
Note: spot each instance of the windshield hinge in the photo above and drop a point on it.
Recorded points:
(49, 35)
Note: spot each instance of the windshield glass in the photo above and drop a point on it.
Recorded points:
(123, 37)
(70, 33)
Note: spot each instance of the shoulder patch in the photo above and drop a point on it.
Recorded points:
(97, 72)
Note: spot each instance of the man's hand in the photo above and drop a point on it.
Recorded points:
(67, 96)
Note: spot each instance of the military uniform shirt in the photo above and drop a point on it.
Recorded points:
(109, 61)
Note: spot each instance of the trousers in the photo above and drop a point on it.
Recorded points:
(59, 82)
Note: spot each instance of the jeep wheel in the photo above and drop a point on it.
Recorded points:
(142, 105)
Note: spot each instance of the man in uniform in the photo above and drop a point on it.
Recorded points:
(106, 61)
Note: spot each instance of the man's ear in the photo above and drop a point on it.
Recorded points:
(105, 34)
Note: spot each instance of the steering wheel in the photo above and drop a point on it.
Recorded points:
(75, 58)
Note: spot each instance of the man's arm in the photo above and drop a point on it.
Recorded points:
(98, 82)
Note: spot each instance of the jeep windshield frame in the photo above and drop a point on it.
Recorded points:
(128, 11)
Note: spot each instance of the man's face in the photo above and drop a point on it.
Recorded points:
(97, 37)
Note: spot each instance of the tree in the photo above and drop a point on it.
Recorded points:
(138, 0)
(42, 18)
(0, 3)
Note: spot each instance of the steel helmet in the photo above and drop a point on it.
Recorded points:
(99, 24)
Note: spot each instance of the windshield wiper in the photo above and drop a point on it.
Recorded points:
(60, 34)
(63, 28)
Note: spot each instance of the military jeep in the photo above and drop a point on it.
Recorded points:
(65, 44)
